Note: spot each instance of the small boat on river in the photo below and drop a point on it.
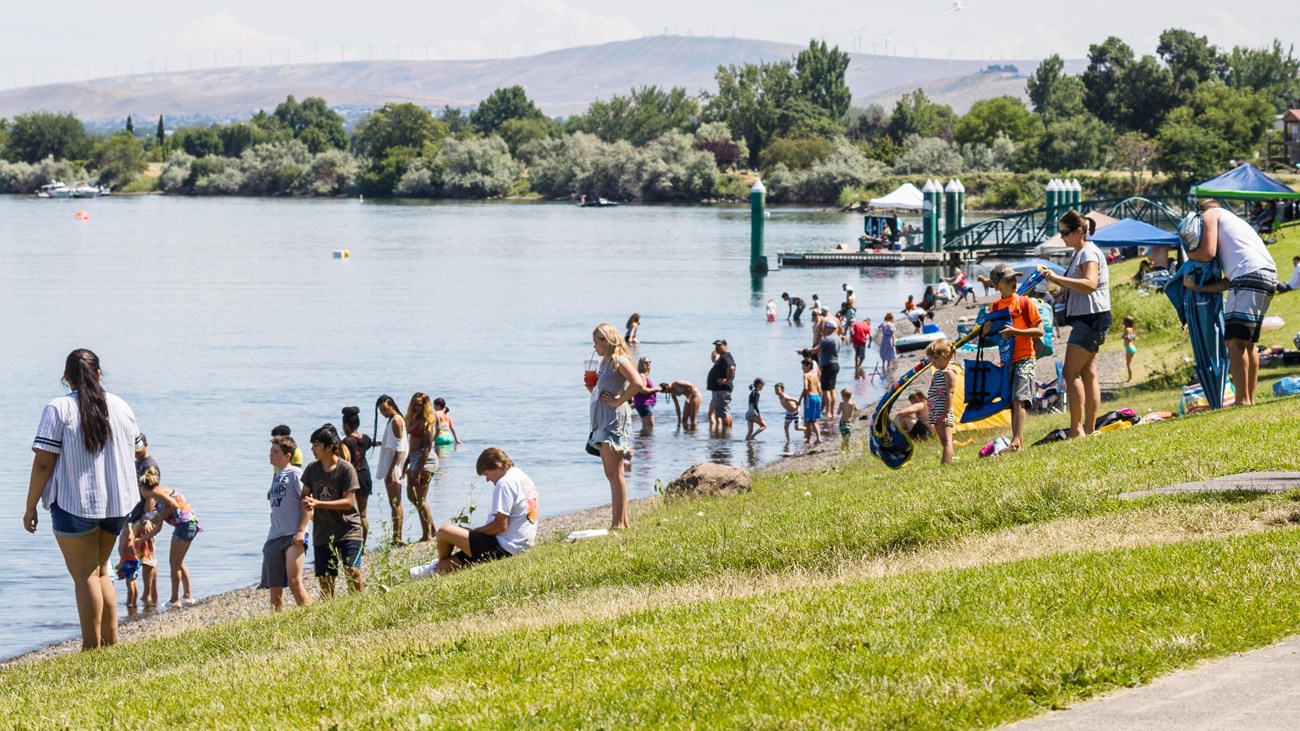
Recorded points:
(86, 190)
(54, 189)
(596, 203)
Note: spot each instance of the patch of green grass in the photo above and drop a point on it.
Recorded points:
(978, 646)
(142, 184)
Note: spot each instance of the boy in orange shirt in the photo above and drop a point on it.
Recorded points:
(1025, 325)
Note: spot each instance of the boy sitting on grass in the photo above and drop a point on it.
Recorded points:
(1026, 324)
(512, 530)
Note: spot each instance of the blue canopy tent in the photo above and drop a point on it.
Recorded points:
(1131, 232)
(1245, 182)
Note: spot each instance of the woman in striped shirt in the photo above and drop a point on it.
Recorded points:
(83, 472)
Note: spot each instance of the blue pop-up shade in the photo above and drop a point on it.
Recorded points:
(1245, 182)
(1132, 232)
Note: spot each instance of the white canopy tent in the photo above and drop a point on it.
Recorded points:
(906, 198)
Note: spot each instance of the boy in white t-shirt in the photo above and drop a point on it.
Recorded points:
(512, 530)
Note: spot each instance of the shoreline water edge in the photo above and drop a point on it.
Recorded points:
(249, 601)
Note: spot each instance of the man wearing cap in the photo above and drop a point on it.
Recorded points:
(1250, 278)
(828, 362)
(722, 378)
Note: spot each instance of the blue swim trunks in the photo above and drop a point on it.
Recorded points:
(129, 569)
(812, 408)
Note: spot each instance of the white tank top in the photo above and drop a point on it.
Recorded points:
(1240, 250)
(391, 442)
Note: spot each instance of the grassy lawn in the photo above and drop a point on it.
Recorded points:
(958, 597)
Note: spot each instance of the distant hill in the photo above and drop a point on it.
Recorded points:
(958, 92)
(561, 82)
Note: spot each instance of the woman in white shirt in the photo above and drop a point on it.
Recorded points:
(392, 459)
(83, 472)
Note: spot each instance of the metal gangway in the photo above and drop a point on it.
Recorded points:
(1027, 229)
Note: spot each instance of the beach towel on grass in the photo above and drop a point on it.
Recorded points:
(1289, 386)
(1202, 313)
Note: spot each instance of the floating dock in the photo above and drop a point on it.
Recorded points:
(864, 258)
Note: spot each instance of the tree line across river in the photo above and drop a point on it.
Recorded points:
(1183, 112)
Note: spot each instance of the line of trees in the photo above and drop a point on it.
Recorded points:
(1185, 111)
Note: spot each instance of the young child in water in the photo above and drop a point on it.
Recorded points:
(847, 410)
(791, 406)
(812, 404)
(128, 567)
(940, 353)
(172, 508)
(753, 415)
(1130, 350)
(771, 310)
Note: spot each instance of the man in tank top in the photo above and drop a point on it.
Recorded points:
(1250, 281)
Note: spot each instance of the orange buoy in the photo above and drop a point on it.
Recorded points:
(83, 216)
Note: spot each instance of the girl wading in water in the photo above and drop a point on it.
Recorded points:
(422, 462)
(83, 472)
(392, 459)
(617, 381)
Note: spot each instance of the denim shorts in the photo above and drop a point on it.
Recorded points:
(1089, 331)
(67, 524)
(328, 557)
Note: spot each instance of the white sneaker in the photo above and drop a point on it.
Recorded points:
(425, 571)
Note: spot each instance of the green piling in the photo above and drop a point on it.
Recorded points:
(949, 208)
(961, 205)
(757, 217)
(932, 197)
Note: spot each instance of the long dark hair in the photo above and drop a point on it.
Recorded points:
(81, 371)
(384, 399)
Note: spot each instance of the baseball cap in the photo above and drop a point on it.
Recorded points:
(716, 343)
(830, 323)
(1002, 272)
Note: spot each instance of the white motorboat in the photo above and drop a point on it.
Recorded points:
(54, 189)
(86, 190)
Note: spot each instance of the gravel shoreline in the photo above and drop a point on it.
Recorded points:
(251, 601)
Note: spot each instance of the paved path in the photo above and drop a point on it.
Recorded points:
(1248, 482)
(1257, 690)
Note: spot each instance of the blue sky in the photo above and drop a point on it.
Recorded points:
(44, 42)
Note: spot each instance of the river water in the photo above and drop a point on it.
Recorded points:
(217, 319)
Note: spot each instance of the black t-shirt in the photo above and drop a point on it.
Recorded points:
(341, 525)
(719, 370)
